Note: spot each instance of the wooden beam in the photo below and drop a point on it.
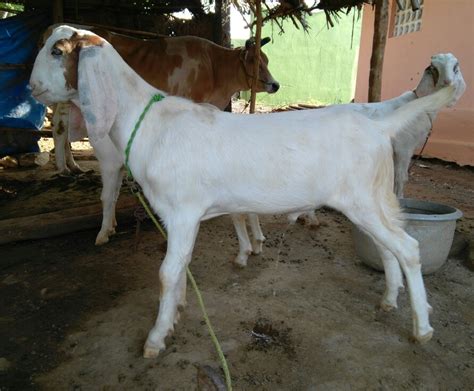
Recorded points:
(222, 23)
(65, 221)
(378, 50)
(33, 132)
(114, 28)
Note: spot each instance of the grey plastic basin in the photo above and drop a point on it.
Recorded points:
(431, 224)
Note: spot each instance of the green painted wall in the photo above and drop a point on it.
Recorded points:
(319, 67)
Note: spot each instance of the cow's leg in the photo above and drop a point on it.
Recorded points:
(182, 231)
(110, 162)
(70, 162)
(65, 162)
(60, 136)
(257, 234)
(406, 250)
(245, 248)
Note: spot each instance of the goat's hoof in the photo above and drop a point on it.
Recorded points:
(424, 338)
(387, 307)
(241, 259)
(101, 239)
(78, 170)
(151, 351)
(64, 172)
(257, 246)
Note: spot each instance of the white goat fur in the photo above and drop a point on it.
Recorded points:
(195, 162)
(443, 70)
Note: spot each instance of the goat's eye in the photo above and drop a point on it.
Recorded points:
(56, 51)
(456, 68)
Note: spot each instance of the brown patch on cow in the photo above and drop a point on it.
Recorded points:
(173, 62)
(193, 50)
(70, 49)
(191, 79)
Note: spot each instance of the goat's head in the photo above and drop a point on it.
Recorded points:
(444, 70)
(70, 67)
(265, 81)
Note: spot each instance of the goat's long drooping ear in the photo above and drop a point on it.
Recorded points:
(97, 95)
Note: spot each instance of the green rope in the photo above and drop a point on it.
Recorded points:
(154, 98)
(215, 341)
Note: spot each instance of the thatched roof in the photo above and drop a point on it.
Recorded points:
(155, 15)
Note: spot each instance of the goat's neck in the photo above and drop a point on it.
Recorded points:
(401, 100)
(133, 96)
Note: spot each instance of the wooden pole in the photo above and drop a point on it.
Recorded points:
(258, 38)
(58, 11)
(222, 23)
(378, 50)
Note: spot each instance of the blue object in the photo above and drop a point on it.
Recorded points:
(19, 38)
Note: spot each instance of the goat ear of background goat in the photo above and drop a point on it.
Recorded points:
(97, 92)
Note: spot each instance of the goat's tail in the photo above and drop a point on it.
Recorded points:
(408, 113)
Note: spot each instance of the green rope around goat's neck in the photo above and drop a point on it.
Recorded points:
(154, 98)
(220, 353)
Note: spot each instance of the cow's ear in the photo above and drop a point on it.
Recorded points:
(264, 41)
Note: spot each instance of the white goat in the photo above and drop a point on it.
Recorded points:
(194, 162)
(443, 70)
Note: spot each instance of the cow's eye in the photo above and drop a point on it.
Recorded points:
(56, 51)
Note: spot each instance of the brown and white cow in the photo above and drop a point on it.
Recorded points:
(187, 66)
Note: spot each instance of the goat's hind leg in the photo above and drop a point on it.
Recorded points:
(406, 250)
(257, 235)
(245, 248)
(393, 278)
(182, 231)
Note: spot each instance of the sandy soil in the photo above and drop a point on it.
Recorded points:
(74, 316)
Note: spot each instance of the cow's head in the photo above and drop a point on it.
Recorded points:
(265, 81)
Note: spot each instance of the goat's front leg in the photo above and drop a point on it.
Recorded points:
(111, 171)
(245, 249)
(182, 231)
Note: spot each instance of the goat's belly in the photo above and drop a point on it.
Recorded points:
(265, 201)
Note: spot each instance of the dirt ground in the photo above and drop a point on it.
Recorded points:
(301, 316)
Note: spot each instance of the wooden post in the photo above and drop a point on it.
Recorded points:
(258, 38)
(58, 11)
(378, 50)
(222, 23)
(222, 30)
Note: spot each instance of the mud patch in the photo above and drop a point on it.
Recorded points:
(268, 336)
